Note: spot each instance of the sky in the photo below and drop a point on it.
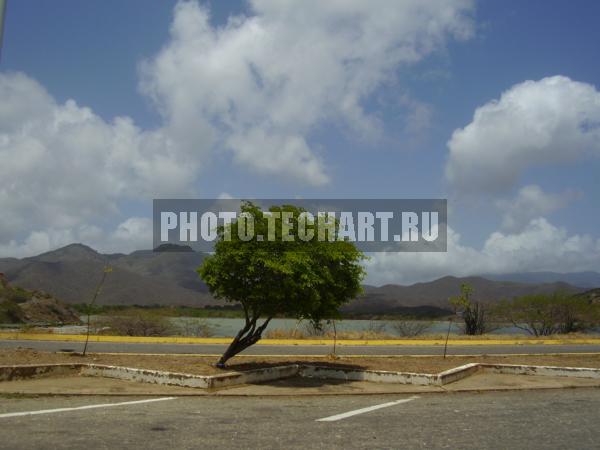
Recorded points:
(105, 105)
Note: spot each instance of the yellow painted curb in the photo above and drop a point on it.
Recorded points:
(359, 342)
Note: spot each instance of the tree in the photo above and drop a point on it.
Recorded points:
(547, 314)
(474, 314)
(305, 279)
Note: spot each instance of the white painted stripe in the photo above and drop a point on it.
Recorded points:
(104, 405)
(365, 410)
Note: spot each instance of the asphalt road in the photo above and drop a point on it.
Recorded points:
(530, 420)
(214, 349)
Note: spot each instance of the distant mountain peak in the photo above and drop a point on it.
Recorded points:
(70, 252)
(587, 279)
(173, 248)
(78, 247)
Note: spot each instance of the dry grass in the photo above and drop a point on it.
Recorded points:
(278, 333)
(204, 365)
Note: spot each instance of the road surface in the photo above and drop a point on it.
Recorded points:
(529, 420)
(217, 349)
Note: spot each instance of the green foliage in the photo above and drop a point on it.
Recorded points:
(547, 314)
(19, 295)
(10, 312)
(15, 294)
(305, 280)
(302, 279)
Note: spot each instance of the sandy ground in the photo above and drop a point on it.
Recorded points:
(203, 365)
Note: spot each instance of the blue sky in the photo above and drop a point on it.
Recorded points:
(398, 80)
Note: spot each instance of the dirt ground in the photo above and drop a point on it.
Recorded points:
(202, 365)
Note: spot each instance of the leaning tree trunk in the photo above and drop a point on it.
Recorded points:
(247, 336)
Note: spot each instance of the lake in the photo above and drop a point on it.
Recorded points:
(223, 327)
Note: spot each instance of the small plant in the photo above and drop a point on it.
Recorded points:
(475, 315)
(195, 328)
(316, 330)
(376, 327)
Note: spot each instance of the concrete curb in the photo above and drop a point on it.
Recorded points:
(188, 380)
(458, 373)
(23, 372)
(550, 371)
(10, 373)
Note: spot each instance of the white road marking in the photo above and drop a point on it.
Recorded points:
(104, 405)
(365, 410)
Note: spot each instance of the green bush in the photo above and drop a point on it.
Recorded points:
(10, 312)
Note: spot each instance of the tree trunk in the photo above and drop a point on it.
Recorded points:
(247, 336)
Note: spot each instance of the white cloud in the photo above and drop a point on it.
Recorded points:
(133, 234)
(540, 246)
(534, 123)
(420, 117)
(258, 86)
(261, 84)
(63, 166)
(530, 203)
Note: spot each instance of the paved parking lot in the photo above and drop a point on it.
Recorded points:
(528, 419)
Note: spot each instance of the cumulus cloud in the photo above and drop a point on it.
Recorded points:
(132, 234)
(64, 167)
(261, 84)
(540, 246)
(532, 202)
(257, 86)
(534, 123)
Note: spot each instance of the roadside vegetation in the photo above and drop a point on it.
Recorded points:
(546, 315)
(538, 315)
(136, 322)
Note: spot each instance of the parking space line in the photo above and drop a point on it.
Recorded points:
(365, 410)
(104, 405)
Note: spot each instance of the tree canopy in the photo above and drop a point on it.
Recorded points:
(307, 278)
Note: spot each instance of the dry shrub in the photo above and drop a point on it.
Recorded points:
(410, 328)
(135, 323)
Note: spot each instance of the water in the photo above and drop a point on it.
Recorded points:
(222, 327)
(226, 327)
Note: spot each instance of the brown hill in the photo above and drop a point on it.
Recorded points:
(436, 293)
(142, 278)
(18, 305)
(169, 277)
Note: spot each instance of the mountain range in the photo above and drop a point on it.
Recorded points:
(144, 277)
(579, 279)
(168, 277)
